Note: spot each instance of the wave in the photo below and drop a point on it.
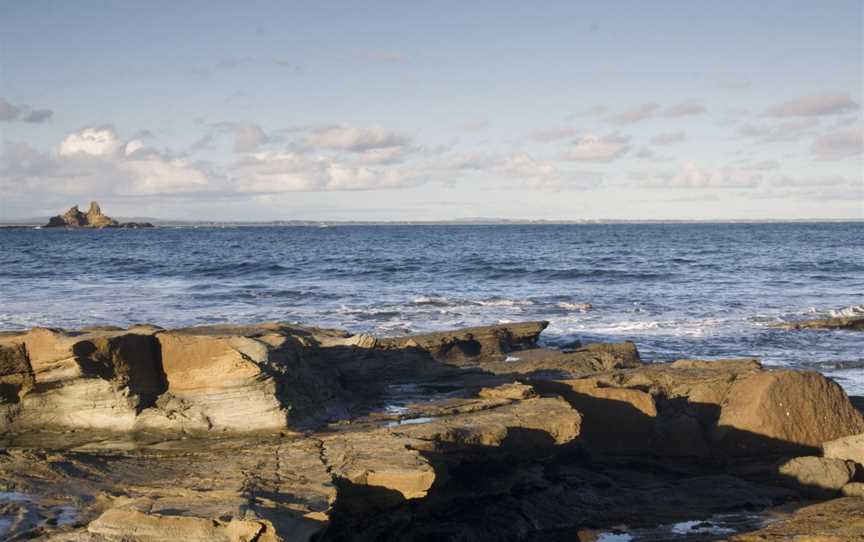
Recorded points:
(434, 301)
(853, 310)
(501, 302)
(581, 307)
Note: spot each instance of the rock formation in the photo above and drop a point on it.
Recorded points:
(93, 218)
(282, 432)
(854, 323)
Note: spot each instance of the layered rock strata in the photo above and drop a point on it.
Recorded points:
(281, 432)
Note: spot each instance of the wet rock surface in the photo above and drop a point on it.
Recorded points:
(854, 323)
(283, 432)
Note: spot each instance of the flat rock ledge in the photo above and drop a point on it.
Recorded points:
(852, 323)
(275, 431)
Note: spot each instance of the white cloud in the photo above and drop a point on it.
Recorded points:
(278, 171)
(99, 141)
(97, 161)
(684, 109)
(132, 146)
(356, 139)
(692, 175)
(791, 130)
(634, 114)
(548, 135)
(598, 149)
(816, 181)
(839, 144)
(669, 138)
(764, 165)
(246, 136)
(475, 125)
(545, 175)
(826, 103)
(10, 112)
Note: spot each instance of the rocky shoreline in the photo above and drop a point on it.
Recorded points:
(282, 432)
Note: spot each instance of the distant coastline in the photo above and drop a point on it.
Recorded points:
(38, 222)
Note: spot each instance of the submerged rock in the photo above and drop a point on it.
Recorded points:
(854, 323)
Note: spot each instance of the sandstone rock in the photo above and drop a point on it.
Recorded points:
(514, 391)
(128, 524)
(853, 489)
(97, 380)
(850, 448)
(76, 219)
(16, 375)
(476, 344)
(242, 379)
(817, 476)
(587, 359)
(838, 520)
(629, 413)
(93, 218)
(773, 411)
(523, 425)
(854, 323)
(379, 459)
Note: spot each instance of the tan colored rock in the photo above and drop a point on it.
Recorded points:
(379, 459)
(838, 520)
(522, 425)
(95, 218)
(588, 359)
(129, 524)
(475, 344)
(244, 378)
(817, 476)
(850, 448)
(96, 379)
(791, 411)
(16, 375)
(855, 323)
(853, 489)
(615, 420)
(514, 391)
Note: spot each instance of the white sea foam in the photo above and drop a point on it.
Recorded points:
(699, 527)
(504, 302)
(615, 537)
(583, 307)
(854, 310)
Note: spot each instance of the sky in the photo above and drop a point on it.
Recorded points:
(433, 110)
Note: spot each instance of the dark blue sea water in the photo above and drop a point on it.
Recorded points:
(696, 290)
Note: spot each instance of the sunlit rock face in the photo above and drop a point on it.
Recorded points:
(93, 218)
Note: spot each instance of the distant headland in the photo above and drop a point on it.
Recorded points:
(93, 218)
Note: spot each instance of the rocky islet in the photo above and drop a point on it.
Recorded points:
(93, 218)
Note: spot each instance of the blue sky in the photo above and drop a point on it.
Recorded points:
(380, 110)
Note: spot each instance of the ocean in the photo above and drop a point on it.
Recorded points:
(678, 290)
